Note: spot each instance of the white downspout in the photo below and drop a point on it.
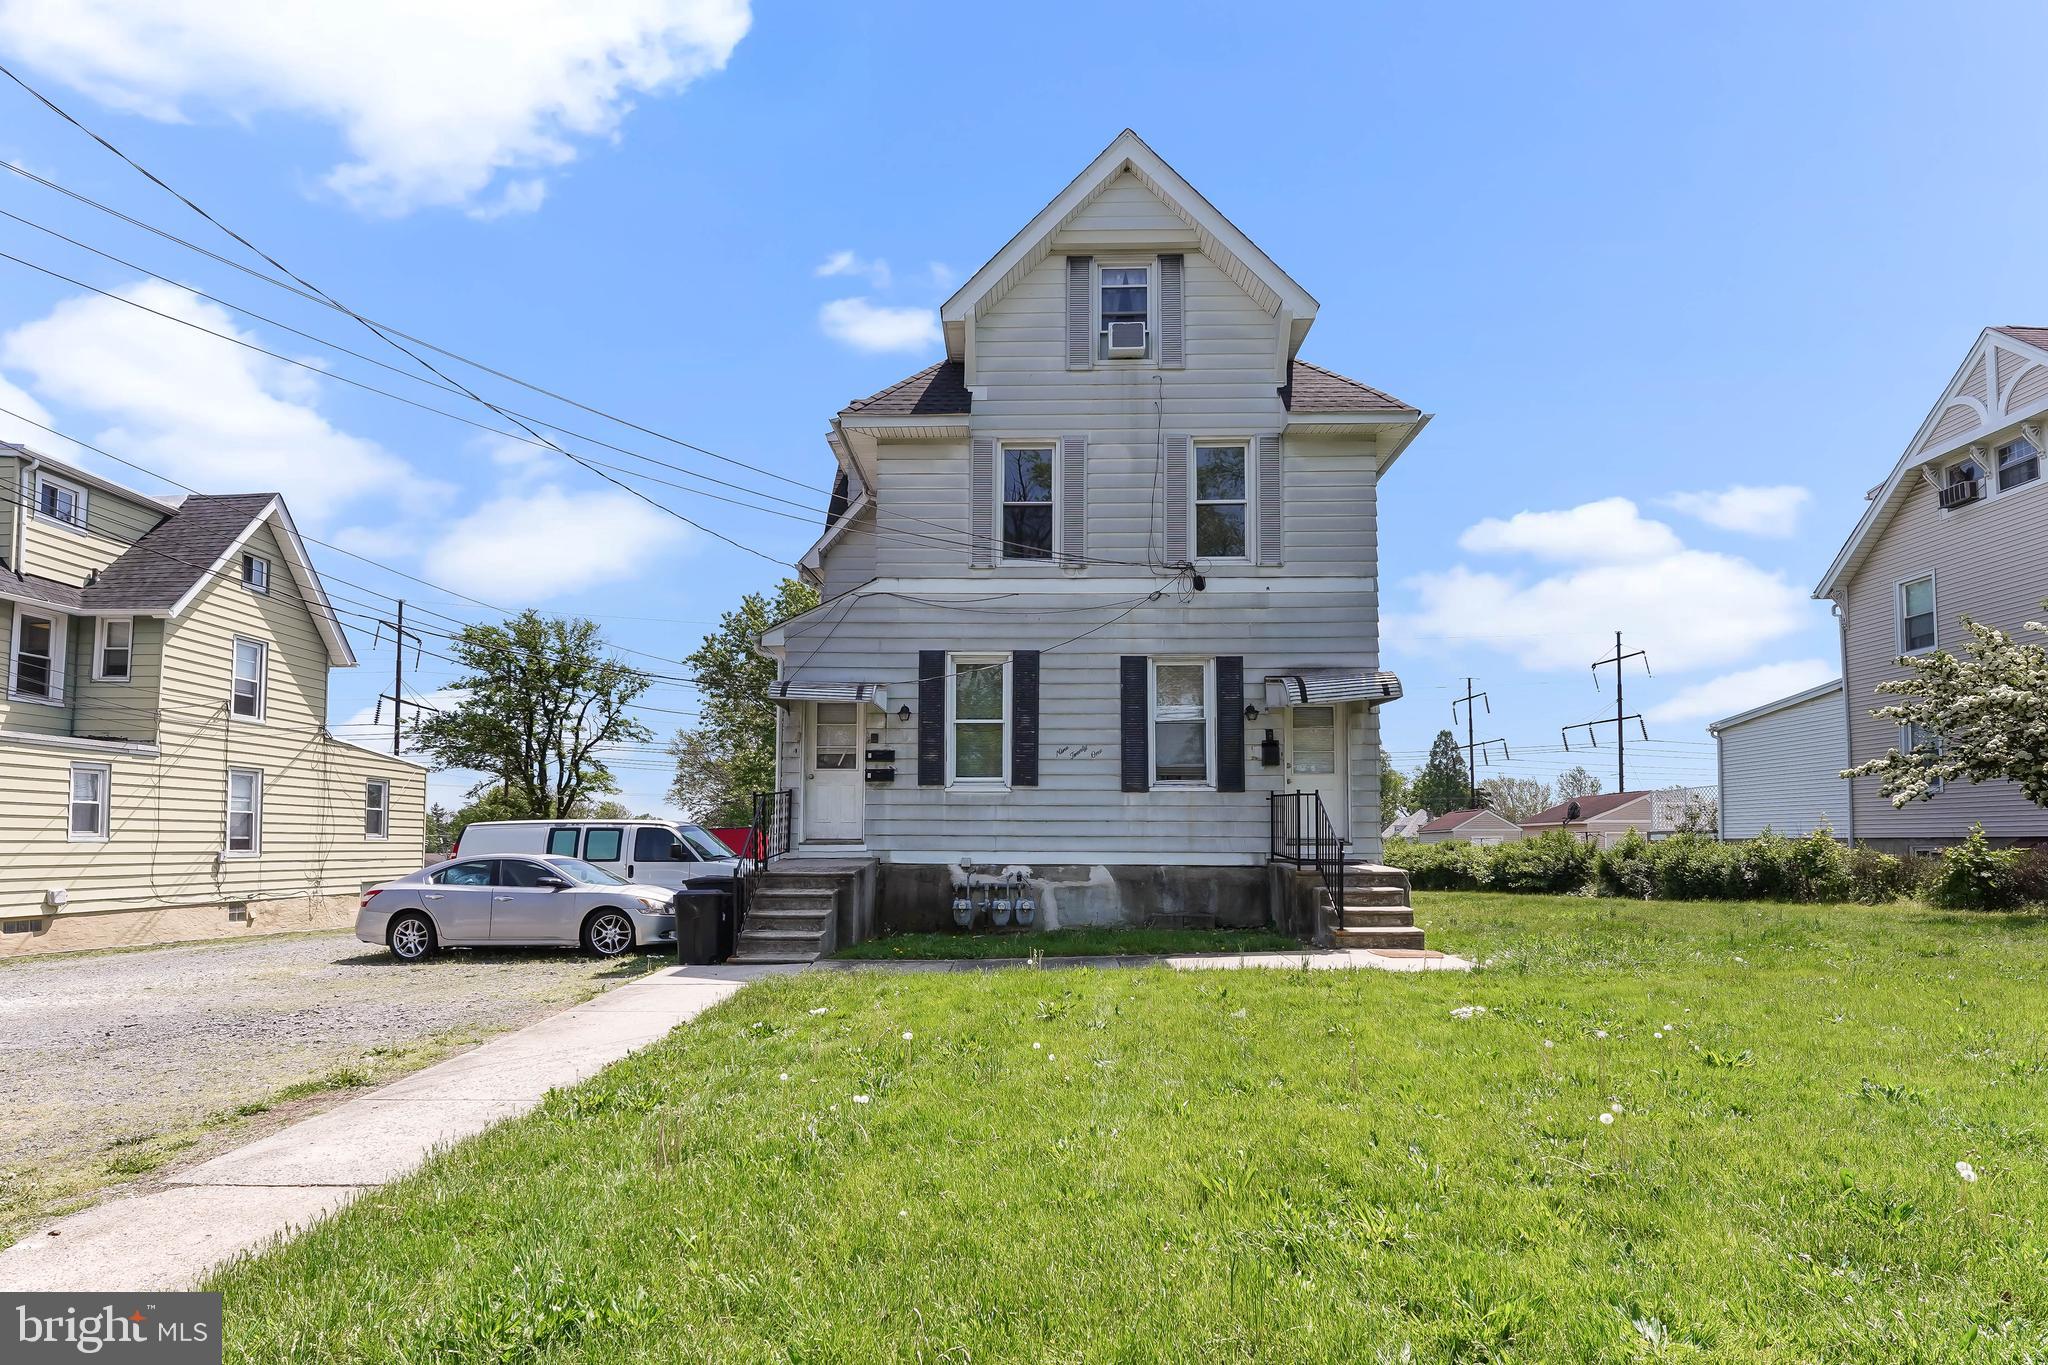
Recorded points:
(24, 492)
(1848, 722)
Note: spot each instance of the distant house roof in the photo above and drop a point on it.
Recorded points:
(2033, 336)
(1589, 808)
(1449, 820)
(937, 390)
(1311, 388)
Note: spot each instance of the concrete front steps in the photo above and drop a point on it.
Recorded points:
(802, 909)
(1376, 911)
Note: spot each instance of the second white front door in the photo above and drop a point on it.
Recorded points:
(1316, 761)
(832, 775)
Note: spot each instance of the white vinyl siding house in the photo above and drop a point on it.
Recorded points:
(1141, 540)
(1780, 766)
(1923, 557)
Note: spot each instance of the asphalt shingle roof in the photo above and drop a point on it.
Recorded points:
(2033, 336)
(163, 565)
(1448, 821)
(1311, 388)
(939, 389)
(1589, 807)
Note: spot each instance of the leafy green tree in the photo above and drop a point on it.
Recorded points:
(730, 754)
(1576, 782)
(440, 832)
(540, 701)
(1443, 784)
(1393, 791)
(1517, 798)
(1983, 713)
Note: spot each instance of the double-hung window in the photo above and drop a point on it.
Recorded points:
(114, 652)
(89, 786)
(59, 501)
(245, 813)
(377, 810)
(256, 573)
(1916, 615)
(1027, 501)
(1124, 312)
(1222, 502)
(1913, 738)
(2018, 463)
(977, 719)
(36, 666)
(1181, 706)
(252, 664)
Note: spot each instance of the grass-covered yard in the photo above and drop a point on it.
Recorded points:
(1266, 1165)
(1069, 943)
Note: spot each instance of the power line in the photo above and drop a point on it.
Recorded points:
(1475, 748)
(1620, 721)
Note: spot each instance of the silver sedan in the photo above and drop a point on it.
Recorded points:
(538, 899)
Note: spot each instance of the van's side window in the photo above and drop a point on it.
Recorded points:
(653, 844)
(602, 845)
(562, 842)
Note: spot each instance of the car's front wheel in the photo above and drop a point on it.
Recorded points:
(411, 936)
(608, 933)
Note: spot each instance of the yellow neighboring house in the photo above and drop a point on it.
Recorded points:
(165, 767)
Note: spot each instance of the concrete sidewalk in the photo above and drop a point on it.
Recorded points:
(241, 1200)
(1304, 959)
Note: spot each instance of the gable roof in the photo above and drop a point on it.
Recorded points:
(1450, 820)
(1311, 388)
(1590, 808)
(1218, 238)
(2002, 381)
(163, 570)
(1772, 707)
(939, 389)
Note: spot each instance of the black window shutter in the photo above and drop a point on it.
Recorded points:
(1024, 718)
(931, 718)
(1230, 723)
(1137, 751)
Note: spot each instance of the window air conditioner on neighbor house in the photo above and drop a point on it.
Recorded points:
(1126, 340)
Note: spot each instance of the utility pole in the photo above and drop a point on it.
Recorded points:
(1475, 749)
(396, 696)
(1620, 721)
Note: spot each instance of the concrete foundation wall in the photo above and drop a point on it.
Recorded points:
(918, 897)
(78, 931)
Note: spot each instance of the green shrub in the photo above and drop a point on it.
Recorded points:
(1976, 876)
(1693, 867)
(1768, 869)
(1875, 878)
(2030, 874)
(1454, 866)
(1821, 867)
(1552, 862)
(1626, 868)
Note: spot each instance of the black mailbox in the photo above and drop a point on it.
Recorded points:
(1269, 751)
(881, 755)
(881, 774)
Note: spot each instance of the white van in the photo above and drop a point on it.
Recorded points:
(650, 852)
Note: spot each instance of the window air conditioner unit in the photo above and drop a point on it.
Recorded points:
(1126, 340)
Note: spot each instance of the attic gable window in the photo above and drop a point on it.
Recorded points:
(1124, 312)
(59, 501)
(1027, 502)
(256, 573)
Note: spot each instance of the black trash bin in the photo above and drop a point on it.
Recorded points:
(728, 888)
(699, 912)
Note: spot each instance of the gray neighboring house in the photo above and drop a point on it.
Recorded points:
(1482, 827)
(1781, 764)
(1099, 581)
(1959, 528)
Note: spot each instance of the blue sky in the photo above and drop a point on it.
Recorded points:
(1618, 253)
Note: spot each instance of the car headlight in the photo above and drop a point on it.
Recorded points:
(651, 903)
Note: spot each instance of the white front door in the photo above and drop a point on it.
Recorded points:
(1316, 761)
(832, 776)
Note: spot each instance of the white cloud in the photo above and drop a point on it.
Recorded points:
(1735, 692)
(875, 272)
(1770, 511)
(1689, 608)
(22, 429)
(215, 416)
(371, 726)
(867, 326)
(437, 103)
(1610, 531)
(541, 544)
(941, 274)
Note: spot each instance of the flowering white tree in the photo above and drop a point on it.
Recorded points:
(1990, 711)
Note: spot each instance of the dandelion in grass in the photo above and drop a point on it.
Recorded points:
(782, 1076)
(903, 1213)
(821, 1009)
(1659, 1036)
(1607, 1118)
(1547, 1044)
(906, 1035)
(1468, 1011)
(1614, 1109)
(1038, 1047)
(860, 1099)
(1599, 1033)
(1967, 1172)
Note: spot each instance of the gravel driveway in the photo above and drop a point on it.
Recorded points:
(115, 1065)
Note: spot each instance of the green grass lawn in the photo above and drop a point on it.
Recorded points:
(1265, 1165)
(1070, 943)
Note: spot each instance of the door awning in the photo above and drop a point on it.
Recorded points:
(1320, 686)
(785, 691)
